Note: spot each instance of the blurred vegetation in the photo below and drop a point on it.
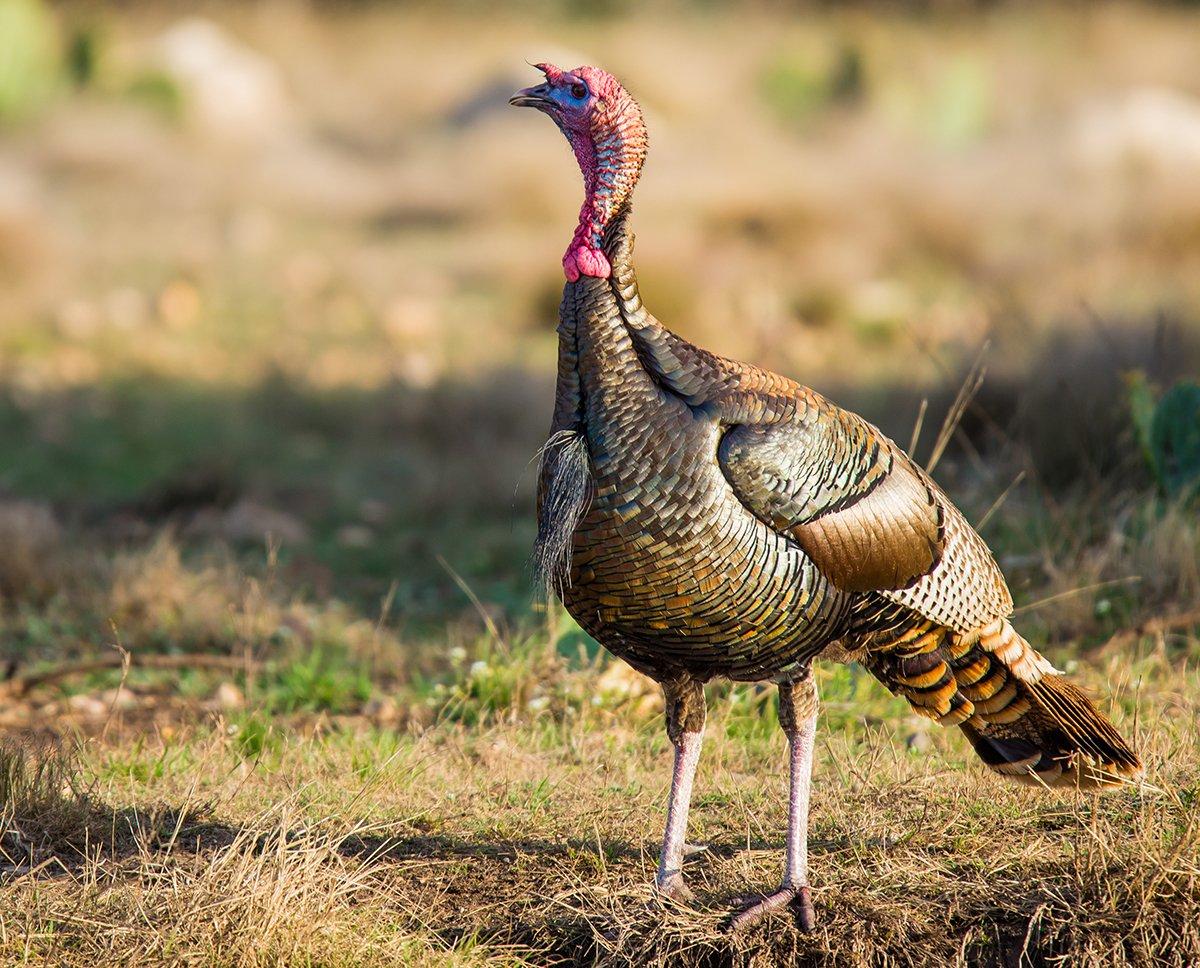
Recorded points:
(798, 85)
(1168, 431)
(29, 58)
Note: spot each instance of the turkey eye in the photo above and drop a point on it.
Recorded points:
(578, 91)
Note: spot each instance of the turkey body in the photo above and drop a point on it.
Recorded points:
(669, 570)
(737, 524)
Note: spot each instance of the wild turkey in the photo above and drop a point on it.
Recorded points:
(701, 518)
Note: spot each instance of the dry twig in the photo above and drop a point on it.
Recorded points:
(19, 685)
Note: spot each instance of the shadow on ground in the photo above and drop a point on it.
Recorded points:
(363, 488)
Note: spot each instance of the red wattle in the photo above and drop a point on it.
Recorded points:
(583, 260)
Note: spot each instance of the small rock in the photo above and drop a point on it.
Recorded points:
(78, 319)
(248, 521)
(85, 705)
(308, 273)
(384, 709)
(622, 683)
(179, 305)
(420, 369)
(229, 697)
(355, 536)
(30, 556)
(411, 320)
(1157, 127)
(374, 511)
(232, 91)
(918, 742)
(120, 698)
(126, 308)
(623, 680)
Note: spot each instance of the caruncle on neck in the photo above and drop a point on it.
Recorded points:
(605, 128)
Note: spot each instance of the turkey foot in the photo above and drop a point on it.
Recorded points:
(673, 889)
(799, 899)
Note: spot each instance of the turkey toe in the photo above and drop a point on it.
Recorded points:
(756, 907)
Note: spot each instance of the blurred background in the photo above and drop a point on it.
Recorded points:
(279, 282)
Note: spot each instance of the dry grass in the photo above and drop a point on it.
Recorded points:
(530, 837)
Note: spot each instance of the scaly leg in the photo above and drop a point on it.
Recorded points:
(798, 717)
(685, 727)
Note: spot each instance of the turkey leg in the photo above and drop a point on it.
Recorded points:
(798, 717)
(685, 727)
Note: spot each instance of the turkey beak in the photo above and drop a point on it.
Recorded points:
(533, 97)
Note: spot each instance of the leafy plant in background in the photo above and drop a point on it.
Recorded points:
(322, 681)
(82, 57)
(1168, 430)
(29, 58)
(798, 85)
(960, 104)
(949, 105)
(157, 91)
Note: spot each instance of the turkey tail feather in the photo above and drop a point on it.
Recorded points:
(1075, 743)
(1024, 720)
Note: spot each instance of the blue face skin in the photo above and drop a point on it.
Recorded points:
(571, 95)
(570, 98)
(566, 102)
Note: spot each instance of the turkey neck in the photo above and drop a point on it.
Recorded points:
(610, 170)
(604, 383)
